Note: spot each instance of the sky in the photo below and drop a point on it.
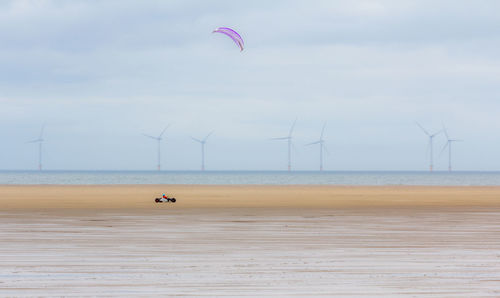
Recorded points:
(99, 74)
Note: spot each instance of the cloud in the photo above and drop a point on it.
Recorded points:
(106, 69)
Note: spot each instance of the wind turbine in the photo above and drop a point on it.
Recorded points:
(448, 144)
(158, 139)
(202, 142)
(322, 146)
(289, 139)
(40, 140)
(431, 137)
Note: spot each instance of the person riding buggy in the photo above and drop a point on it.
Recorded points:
(165, 199)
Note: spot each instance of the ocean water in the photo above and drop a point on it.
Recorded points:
(250, 177)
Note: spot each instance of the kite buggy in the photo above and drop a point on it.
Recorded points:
(165, 199)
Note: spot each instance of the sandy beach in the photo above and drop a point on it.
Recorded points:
(250, 240)
(136, 197)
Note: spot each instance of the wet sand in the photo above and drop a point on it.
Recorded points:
(250, 240)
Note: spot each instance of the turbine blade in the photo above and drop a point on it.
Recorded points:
(155, 138)
(322, 131)
(283, 138)
(313, 143)
(423, 129)
(445, 146)
(197, 140)
(326, 149)
(208, 136)
(291, 129)
(163, 131)
(445, 132)
(34, 141)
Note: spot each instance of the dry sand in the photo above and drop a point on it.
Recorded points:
(136, 197)
(250, 240)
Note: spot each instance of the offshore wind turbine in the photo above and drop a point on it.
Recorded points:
(40, 141)
(289, 140)
(158, 139)
(431, 138)
(322, 147)
(448, 144)
(202, 143)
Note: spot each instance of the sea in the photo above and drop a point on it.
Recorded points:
(250, 177)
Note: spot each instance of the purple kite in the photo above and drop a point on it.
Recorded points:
(233, 34)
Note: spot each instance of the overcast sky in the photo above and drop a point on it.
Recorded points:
(101, 73)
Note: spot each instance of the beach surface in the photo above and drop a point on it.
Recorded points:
(136, 197)
(250, 241)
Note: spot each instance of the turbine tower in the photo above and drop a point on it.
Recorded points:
(322, 147)
(40, 141)
(431, 138)
(158, 139)
(289, 140)
(448, 144)
(202, 142)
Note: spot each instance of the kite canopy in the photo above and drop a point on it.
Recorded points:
(232, 34)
